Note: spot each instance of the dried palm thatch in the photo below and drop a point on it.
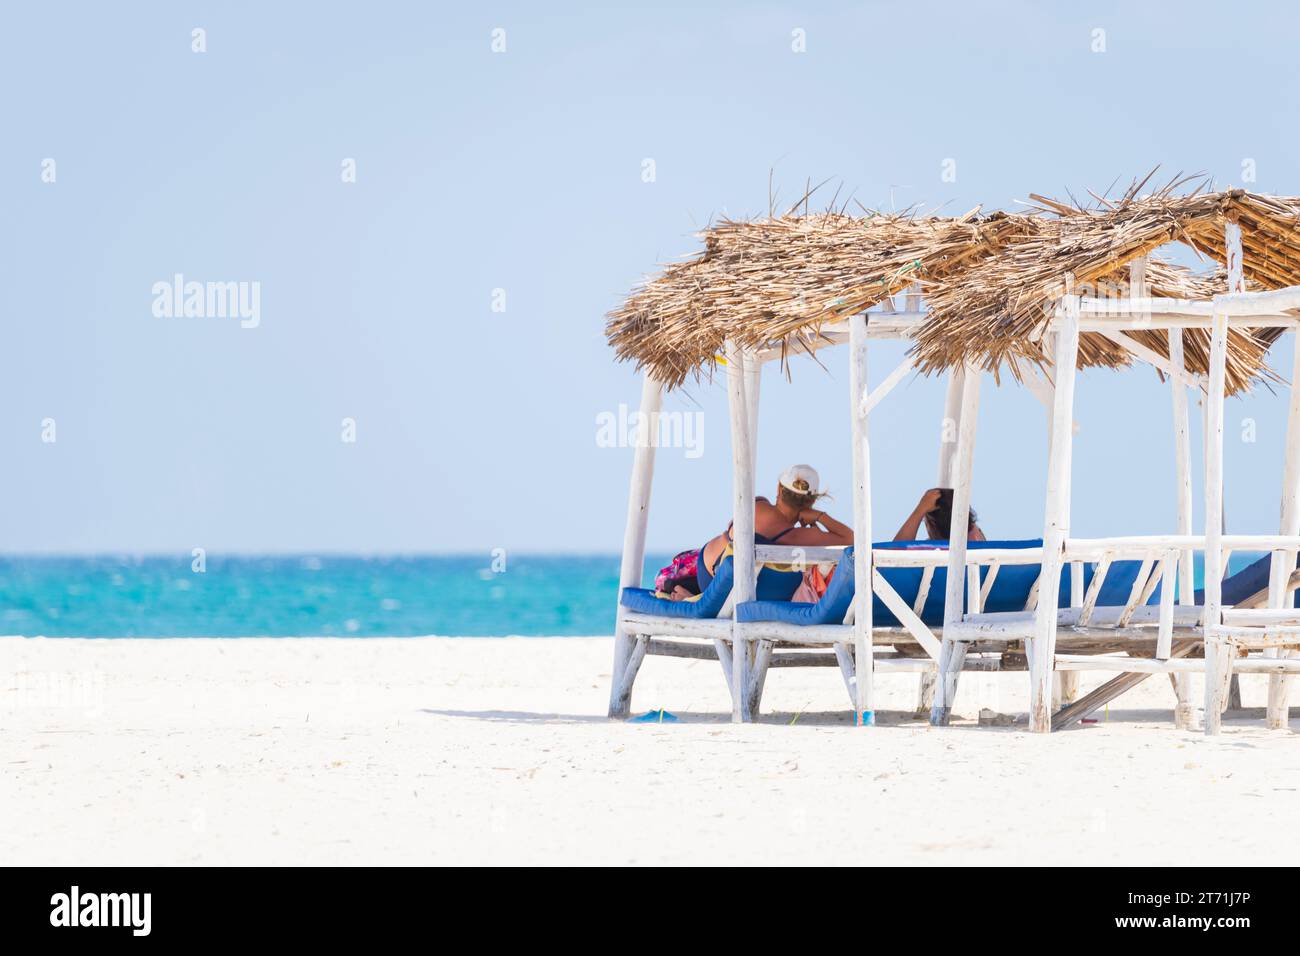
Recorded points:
(995, 314)
(781, 279)
(989, 280)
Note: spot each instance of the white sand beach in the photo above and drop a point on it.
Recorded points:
(435, 750)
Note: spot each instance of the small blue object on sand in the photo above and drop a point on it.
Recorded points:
(659, 716)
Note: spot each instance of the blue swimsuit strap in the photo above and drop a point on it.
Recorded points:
(758, 539)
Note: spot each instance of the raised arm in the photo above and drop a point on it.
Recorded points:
(929, 501)
(835, 533)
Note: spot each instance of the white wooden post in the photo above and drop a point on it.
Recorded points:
(913, 301)
(1218, 660)
(1216, 654)
(948, 427)
(947, 456)
(1232, 250)
(742, 528)
(863, 652)
(1183, 709)
(634, 533)
(1137, 278)
(753, 382)
(1056, 522)
(953, 653)
(1065, 684)
(1048, 398)
(1283, 564)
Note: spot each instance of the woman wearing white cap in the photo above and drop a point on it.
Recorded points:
(792, 520)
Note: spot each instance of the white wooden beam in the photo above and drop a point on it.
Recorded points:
(1162, 320)
(1264, 306)
(1236, 274)
(1137, 278)
(912, 303)
(1182, 467)
(1277, 713)
(926, 558)
(877, 394)
(1152, 357)
(742, 528)
(906, 616)
(948, 427)
(1089, 549)
(1218, 655)
(844, 657)
(753, 384)
(1217, 662)
(1040, 385)
(1184, 712)
(1168, 575)
(864, 705)
(634, 535)
(1056, 521)
(625, 680)
(952, 654)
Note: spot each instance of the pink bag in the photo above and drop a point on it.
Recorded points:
(682, 572)
(813, 586)
(805, 593)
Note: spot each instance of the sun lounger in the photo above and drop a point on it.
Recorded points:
(908, 601)
(907, 608)
(662, 627)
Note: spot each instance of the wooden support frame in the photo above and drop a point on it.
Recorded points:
(742, 528)
(1155, 359)
(624, 680)
(877, 395)
(1218, 655)
(1056, 522)
(1184, 712)
(905, 614)
(747, 656)
(1277, 712)
(1113, 688)
(948, 428)
(864, 658)
(952, 653)
(753, 390)
(947, 455)
(1217, 663)
(634, 534)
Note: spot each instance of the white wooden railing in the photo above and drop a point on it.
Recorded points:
(1159, 555)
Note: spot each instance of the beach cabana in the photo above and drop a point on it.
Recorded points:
(1028, 299)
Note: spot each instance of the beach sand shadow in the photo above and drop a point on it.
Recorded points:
(1246, 718)
(518, 716)
(828, 718)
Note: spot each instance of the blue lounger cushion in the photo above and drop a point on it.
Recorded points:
(772, 586)
(1249, 580)
(1010, 588)
(832, 607)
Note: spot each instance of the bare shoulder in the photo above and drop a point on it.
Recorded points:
(808, 536)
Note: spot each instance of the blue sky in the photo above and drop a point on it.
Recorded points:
(522, 171)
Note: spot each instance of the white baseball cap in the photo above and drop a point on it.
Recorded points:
(805, 475)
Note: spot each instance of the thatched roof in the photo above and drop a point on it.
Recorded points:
(989, 281)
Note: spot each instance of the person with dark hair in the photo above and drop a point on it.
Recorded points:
(935, 509)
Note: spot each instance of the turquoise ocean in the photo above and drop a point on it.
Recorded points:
(301, 596)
